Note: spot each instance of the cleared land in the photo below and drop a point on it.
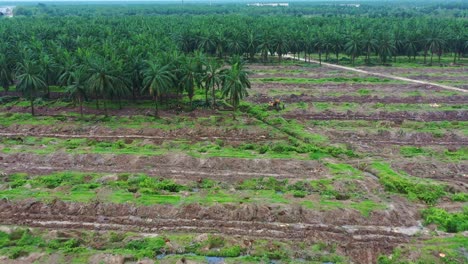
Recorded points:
(353, 168)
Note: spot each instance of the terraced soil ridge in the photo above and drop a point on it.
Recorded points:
(354, 234)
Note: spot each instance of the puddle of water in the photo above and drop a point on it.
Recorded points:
(215, 260)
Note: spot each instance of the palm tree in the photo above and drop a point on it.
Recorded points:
(236, 44)
(157, 80)
(280, 45)
(317, 44)
(6, 77)
(234, 82)
(411, 46)
(265, 45)
(48, 71)
(103, 80)
(436, 43)
(66, 66)
(77, 88)
(189, 76)
(385, 48)
(212, 79)
(252, 43)
(353, 46)
(134, 70)
(369, 45)
(30, 80)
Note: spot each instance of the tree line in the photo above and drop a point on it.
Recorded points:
(366, 8)
(120, 58)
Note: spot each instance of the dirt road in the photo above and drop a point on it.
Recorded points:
(382, 75)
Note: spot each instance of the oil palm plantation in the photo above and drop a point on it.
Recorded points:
(6, 75)
(212, 79)
(157, 80)
(104, 80)
(77, 87)
(235, 82)
(30, 80)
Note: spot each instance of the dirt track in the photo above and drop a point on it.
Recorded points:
(382, 75)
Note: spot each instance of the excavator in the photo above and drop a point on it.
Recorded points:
(275, 105)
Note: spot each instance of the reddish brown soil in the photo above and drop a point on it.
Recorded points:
(53, 111)
(153, 135)
(327, 88)
(368, 238)
(262, 98)
(389, 116)
(393, 138)
(178, 166)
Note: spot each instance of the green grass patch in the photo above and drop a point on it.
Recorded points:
(424, 190)
(449, 222)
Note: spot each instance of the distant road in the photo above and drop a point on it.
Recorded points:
(382, 75)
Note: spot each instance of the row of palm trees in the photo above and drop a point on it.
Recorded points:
(114, 57)
(105, 80)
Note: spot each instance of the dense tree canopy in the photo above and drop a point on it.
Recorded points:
(114, 52)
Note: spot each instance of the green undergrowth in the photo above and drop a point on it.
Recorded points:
(437, 128)
(304, 142)
(80, 246)
(73, 120)
(141, 189)
(415, 188)
(274, 149)
(442, 250)
(446, 155)
(372, 107)
(448, 222)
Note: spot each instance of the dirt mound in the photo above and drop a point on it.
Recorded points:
(288, 222)
(397, 138)
(262, 98)
(392, 116)
(178, 166)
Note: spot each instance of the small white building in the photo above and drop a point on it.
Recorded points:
(6, 11)
(269, 4)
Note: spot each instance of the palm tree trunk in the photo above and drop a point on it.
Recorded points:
(320, 57)
(32, 106)
(81, 106)
(97, 100)
(105, 107)
(155, 106)
(213, 97)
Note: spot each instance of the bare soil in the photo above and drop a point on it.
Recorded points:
(360, 238)
(176, 166)
(389, 116)
(455, 99)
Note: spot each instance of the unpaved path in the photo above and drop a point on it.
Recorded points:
(381, 74)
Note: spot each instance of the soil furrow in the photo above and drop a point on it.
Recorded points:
(381, 116)
(262, 98)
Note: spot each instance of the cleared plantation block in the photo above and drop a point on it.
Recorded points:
(143, 190)
(83, 245)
